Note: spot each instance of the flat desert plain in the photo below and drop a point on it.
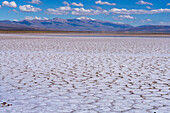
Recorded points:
(84, 74)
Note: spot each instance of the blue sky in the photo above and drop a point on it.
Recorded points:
(134, 12)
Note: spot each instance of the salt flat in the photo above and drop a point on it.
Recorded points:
(84, 75)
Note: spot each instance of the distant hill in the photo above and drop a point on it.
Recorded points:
(9, 25)
(80, 24)
(148, 29)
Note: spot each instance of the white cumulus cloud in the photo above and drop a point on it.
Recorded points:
(32, 18)
(82, 11)
(168, 3)
(29, 8)
(9, 4)
(85, 18)
(148, 7)
(146, 21)
(126, 16)
(74, 4)
(104, 3)
(13, 11)
(35, 2)
(75, 11)
(141, 2)
(66, 3)
(35, 18)
(77, 4)
(121, 17)
(137, 11)
(59, 11)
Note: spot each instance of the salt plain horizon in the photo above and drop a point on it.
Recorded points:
(79, 35)
(84, 75)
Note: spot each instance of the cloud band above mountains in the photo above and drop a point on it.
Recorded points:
(82, 11)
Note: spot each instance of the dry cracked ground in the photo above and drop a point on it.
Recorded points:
(84, 75)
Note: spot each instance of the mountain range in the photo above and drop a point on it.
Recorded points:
(79, 24)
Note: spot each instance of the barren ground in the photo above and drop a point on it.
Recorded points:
(84, 75)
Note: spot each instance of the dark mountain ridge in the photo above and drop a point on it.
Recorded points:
(69, 24)
(79, 24)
